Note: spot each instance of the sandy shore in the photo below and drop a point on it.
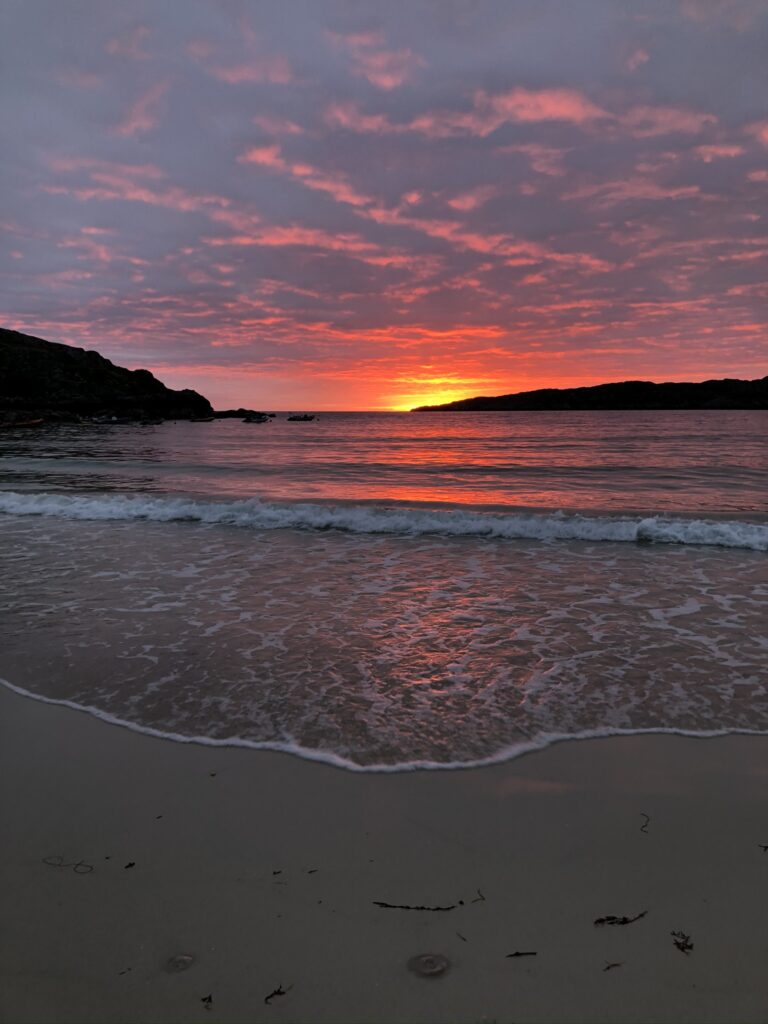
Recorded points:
(265, 869)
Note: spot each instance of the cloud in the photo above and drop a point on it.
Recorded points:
(143, 115)
(474, 198)
(335, 185)
(646, 121)
(717, 152)
(130, 44)
(277, 125)
(636, 59)
(608, 193)
(544, 159)
(488, 113)
(386, 69)
(274, 69)
(759, 130)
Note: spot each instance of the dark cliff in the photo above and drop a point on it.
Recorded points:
(42, 378)
(630, 394)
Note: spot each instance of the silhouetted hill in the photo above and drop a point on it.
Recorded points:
(44, 379)
(629, 394)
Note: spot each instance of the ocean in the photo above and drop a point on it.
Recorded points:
(392, 591)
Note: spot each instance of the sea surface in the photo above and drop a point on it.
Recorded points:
(392, 591)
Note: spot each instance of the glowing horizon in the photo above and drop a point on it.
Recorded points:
(356, 209)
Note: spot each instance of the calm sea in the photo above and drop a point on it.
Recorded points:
(387, 591)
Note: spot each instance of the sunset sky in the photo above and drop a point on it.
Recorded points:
(350, 205)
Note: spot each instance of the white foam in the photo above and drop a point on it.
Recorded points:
(377, 519)
(540, 742)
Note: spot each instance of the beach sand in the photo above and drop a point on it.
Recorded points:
(265, 869)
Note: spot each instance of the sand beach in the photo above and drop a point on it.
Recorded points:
(146, 880)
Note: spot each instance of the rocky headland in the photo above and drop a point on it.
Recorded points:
(59, 383)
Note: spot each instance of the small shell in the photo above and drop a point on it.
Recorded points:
(429, 965)
(179, 963)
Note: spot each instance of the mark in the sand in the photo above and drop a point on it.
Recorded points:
(613, 919)
(206, 1001)
(609, 966)
(312, 871)
(479, 898)
(403, 906)
(278, 872)
(126, 971)
(763, 847)
(461, 936)
(79, 867)
(429, 965)
(511, 956)
(180, 962)
(158, 817)
(130, 864)
(279, 991)
(644, 826)
(682, 942)
(212, 774)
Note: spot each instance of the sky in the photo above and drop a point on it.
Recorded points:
(353, 205)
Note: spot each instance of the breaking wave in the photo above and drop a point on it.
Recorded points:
(406, 521)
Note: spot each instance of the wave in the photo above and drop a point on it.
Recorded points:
(509, 753)
(379, 519)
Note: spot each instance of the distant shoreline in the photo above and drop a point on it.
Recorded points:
(623, 396)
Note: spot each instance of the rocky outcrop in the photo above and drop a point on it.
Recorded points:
(629, 394)
(59, 382)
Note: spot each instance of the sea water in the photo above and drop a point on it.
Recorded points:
(385, 591)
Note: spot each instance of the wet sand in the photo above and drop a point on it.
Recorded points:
(266, 870)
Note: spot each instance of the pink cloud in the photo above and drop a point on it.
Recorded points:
(636, 59)
(760, 131)
(143, 115)
(474, 198)
(710, 153)
(544, 159)
(648, 121)
(109, 181)
(335, 185)
(274, 69)
(66, 164)
(758, 175)
(607, 193)
(386, 69)
(277, 125)
(130, 44)
(739, 14)
(489, 112)
(349, 116)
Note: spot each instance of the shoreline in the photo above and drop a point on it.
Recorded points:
(336, 761)
(268, 870)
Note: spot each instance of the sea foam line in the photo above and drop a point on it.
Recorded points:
(334, 760)
(256, 514)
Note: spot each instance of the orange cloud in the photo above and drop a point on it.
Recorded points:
(143, 115)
